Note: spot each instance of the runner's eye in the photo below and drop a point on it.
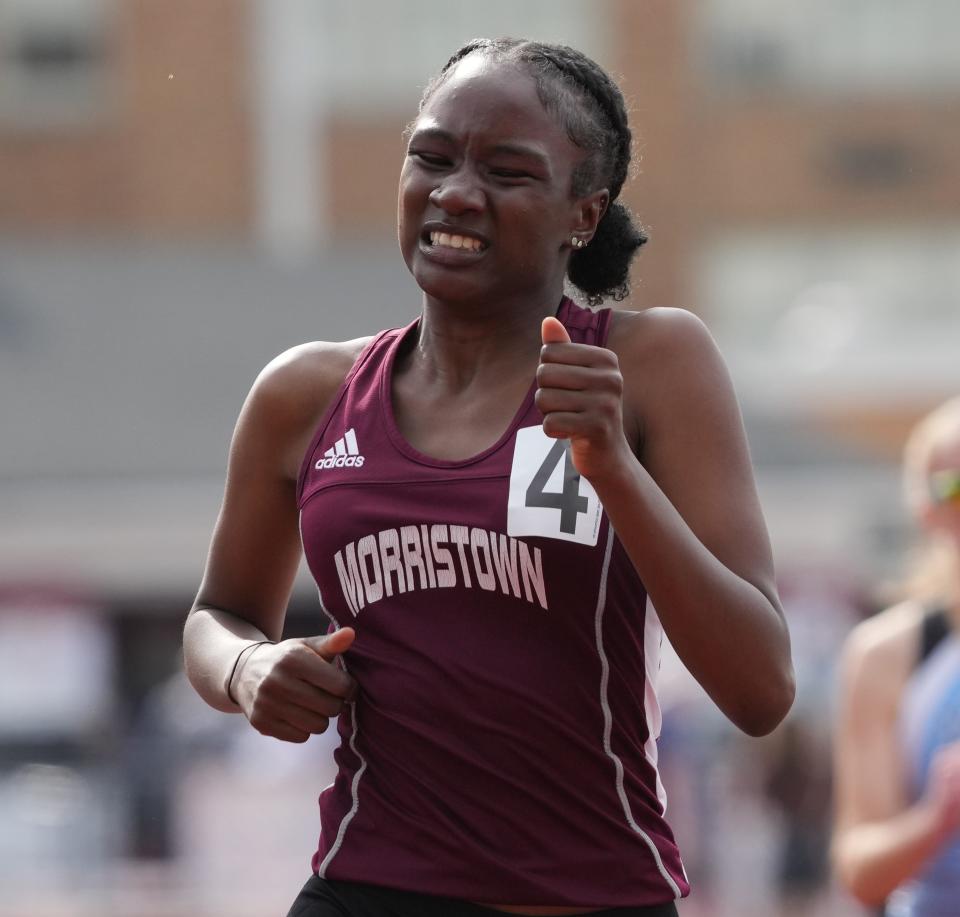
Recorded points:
(510, 174)
(433, 160)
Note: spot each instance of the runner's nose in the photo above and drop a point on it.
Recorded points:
(458, 193)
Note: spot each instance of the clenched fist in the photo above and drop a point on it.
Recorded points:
(580, 394)
(290, 690)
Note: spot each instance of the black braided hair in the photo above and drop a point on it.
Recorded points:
(591, 109)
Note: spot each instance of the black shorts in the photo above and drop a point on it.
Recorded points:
(330, 898)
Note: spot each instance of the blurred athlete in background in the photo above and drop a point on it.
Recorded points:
(897, 746)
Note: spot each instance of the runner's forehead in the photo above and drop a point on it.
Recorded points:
(485, 86)
(496, 99)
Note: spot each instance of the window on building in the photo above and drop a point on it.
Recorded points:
(380, 54)
(875, 308)
(53, 62)
(831, 45)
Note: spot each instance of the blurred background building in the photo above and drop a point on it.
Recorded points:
(188, 187)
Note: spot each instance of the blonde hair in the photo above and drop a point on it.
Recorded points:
(935, 568)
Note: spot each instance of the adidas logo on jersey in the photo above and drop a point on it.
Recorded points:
(343, 454)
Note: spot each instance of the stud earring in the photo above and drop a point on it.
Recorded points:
(577, 242)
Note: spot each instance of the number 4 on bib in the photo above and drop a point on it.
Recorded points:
(548, 497)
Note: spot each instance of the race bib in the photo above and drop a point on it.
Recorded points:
(548, 496)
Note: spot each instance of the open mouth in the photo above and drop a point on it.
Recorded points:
(454, 241)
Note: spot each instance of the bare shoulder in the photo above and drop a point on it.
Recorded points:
(660, 334)
(299, 378)
(290, 395)
(674, 376)
(666, 353)
(880, 653)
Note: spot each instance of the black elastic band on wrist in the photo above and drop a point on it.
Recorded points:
(236, 664)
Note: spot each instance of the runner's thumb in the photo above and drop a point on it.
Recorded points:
(553, 332)
(330, 645)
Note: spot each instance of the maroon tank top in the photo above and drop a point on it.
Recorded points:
(502, 747)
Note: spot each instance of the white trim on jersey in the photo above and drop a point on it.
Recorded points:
(354, 794)
(355, 784)
(652, 642)
(608, 720)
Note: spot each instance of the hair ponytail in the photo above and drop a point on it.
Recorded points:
(602, 269)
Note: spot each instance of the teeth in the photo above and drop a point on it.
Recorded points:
(448, 240)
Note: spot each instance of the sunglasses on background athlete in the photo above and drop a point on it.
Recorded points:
(945, 486)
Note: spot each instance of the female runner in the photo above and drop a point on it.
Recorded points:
(897, 747)
(487, 498)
